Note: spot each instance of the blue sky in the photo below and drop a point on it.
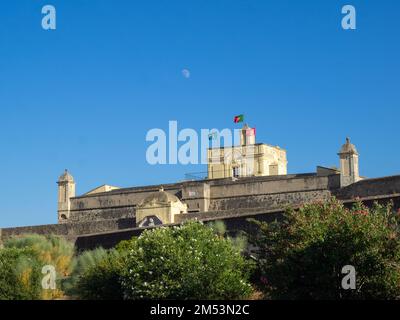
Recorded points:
(84, 96)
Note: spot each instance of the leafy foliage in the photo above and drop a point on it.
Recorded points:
(218, 227)
(188, 262)
(239, 241)
(303, 256)
(80, 265)
(96, 275)
(50, 250)
(20, 274)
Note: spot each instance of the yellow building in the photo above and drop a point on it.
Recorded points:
(349, 172)
(249, 159)
(66, 191)
(101, 189)
(159, 208)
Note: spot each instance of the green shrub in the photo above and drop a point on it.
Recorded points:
(240, 241)
(50, 250)
(96, 275)
(188, 262)
(192, 261)
(218, 227)
(303, 257)
(87, 260)
(20, 275)
(81, 264)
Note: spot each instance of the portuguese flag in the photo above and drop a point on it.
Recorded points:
(239, 118)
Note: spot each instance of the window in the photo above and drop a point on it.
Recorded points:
(236, 172)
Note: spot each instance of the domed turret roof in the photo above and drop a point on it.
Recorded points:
(348, 148)
(159, 198)
(66, 177)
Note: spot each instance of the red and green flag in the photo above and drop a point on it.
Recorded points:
(239, 118)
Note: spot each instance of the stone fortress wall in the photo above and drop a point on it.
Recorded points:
(70, 230)
(268, 192)
(115, 210)
(107, 213)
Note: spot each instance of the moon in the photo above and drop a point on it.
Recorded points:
(186, 73)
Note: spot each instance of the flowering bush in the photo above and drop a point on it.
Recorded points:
(303, 256)
(188, 262)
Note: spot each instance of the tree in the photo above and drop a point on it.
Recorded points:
(303, 256)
